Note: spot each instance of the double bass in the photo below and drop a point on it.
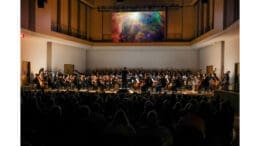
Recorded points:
(40, 81)
(40, 78)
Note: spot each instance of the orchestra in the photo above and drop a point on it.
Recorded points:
(136, 79)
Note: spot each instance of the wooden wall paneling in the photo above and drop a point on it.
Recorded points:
(64, 15)
(107, 25)
(25, 14)
(69, 16)
(82, 19)
(53, 8)
(188, 23)
(86, 21)
(32, 7)
(74, 17)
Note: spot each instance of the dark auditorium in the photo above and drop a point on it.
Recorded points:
(130, 73)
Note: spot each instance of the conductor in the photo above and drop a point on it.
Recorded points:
(124, 78)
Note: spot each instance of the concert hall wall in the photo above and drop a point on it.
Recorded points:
(142, 57)
(35, 50)
(78, 17)
(232, 56)
(99, 52)
(212, 54)
(64, 54)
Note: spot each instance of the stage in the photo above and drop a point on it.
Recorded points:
(128, 91)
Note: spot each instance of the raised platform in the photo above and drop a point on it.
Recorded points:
(232, 96)
(129, 91)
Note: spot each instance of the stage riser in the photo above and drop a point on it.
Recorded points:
(233, 97)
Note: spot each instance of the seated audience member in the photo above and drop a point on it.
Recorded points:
(120, 131)
(120, 125)
(190, 131)
(152, 133)
(54, 132)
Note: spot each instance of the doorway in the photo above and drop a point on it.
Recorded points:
(68, 68)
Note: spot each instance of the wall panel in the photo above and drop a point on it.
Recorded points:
(107, 25)
(82, 18)
(141, 57)
(64, 54)
(64, 15)
(25, 14)
(188, 23)
(53, 9)
(218, 14)
(231, 57)
(34, 50)
(174, 23)
(96, 25)
(211, 55)
(43, 18)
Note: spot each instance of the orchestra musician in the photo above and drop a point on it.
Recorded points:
(124, 78)
(139, 79)
(174, 83)
(106, 79)
(101, 82)
(63, 81)
(147, 82)
(225, 81)
(115, 82)
(136, 83)
(57, 80)
(196, 83)
(163, 81)
(82, 81)
(214, 82)
(155, 81)
(40, 78)
(68, 81)
(189, 82)
(93, 79)
(170, 82)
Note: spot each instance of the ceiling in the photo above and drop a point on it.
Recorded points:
(140, 3)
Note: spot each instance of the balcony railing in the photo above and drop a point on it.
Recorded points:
(69, 31)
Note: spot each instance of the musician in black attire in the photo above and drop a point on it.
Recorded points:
(147, 83)
(205, 83)
(57, 80)
(177, 83)
(225, 81)
(39, 79)
(162, 83)
(124, 78)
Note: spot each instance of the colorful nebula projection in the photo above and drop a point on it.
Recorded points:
(138, 26)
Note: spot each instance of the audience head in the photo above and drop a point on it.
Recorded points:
(152, 118)
(120, 118)
(84, 111)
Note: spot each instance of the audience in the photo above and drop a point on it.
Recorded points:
(80, 118)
